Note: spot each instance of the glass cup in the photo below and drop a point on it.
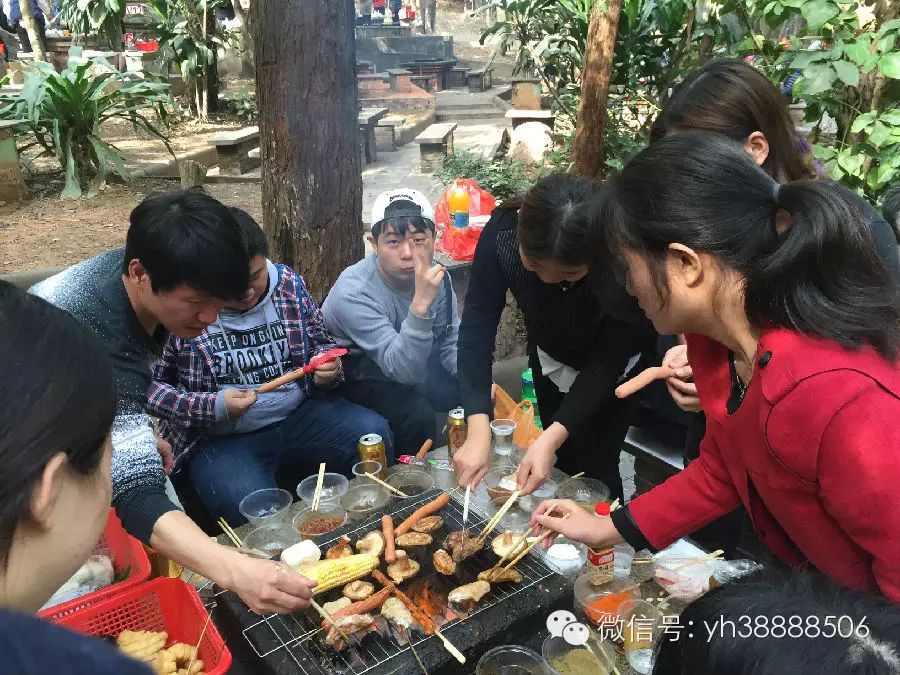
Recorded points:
(503, 431)
(643, 627)
(360, 469)
(624, 558)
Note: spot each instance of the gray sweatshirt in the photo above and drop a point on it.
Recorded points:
(374, 321)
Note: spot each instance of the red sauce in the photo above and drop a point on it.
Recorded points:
(320, 525)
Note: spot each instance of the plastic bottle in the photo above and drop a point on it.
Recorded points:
(601, 563)
(458, 205)
(529, 394)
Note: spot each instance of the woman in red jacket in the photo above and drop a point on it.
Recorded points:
(793, 329)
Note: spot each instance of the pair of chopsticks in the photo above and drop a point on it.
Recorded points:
(317, 495)
(492, 523)
(383, 484)
(239, 543)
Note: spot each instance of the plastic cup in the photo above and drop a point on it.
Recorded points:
(556, 648)
(510, 660)
(269, 505)
(642, 630)
(411, 482)
(545, 491)
(360, 469)
(311, 524)
(334, 485)
(623, 560)
(602, 604)
(503, 431)
(272, 538)
(585, 491)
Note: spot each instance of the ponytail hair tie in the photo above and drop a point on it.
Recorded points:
(776, 191)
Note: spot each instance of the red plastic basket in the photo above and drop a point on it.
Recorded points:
(127, 555)
(169, 605)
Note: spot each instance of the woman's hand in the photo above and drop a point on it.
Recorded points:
(327, 373)
(580, 525)
(472, 461)
(266, 586)
(682, 390)
(538, 461)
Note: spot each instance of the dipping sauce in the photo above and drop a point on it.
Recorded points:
(605, 608)
(312, 527)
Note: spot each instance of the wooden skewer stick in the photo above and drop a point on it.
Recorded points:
(387, 485)
(466, 504)
(317, 495)
(330, 619)
(492, 523)
(546, 535)
(230, 533)
(458, 655)
(199, 640)
(569, 479)
(522, 540)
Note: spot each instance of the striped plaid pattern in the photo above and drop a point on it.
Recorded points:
(183, 393)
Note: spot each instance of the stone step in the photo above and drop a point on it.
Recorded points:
(444, 104)
(469, 114)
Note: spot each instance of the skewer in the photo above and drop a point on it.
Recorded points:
(518, 544)
(330, 619)
(388, 486)
(199, 640)
(318, 493)
(466, 504)
(546, 535)
(413, 650)
(492, 523)
(458, 655)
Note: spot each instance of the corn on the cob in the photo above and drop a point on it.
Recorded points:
(333, 573)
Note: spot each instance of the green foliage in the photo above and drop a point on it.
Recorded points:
(183, 42)
(243, 104)
(64, 113)
(503, 178)
(103, 17)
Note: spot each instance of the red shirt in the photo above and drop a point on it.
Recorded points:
(813, 453)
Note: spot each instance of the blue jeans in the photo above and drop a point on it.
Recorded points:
(225, 469)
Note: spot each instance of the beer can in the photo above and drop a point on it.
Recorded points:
(371, 448)
(457, 430)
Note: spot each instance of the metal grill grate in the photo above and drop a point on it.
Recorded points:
(296, 633)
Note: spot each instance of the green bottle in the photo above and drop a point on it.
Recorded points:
(528, 394)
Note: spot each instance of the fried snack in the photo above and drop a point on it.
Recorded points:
(428, 524)
(142, 645)
(185, 658)
(499, 575)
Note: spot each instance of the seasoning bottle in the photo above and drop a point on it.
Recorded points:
(601, 562)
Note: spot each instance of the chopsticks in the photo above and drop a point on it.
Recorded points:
(492, 523)
(570, 478)
(537, 541)
(317, 495)
(466, 504)
(381, 482)
(239, 543)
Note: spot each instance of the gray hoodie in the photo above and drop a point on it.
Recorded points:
(386, 340)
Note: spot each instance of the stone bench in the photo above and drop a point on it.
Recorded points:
(435, 143)
(480, 80)
(517, 117)
(12, 184)
(425, 82)
(400, 80)
(364, 68)
(233, 150)
(368, 119)
(386, 133)
(456, 78)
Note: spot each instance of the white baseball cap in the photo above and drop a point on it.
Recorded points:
(401, 203)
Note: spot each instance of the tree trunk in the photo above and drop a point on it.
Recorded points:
(598, 61)
(211, 85)
(245, 40)
(309, 139)
(38, 48)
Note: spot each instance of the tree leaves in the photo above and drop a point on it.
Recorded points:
(848, 72)
(817, 78)
(818, 12)
(889, 64)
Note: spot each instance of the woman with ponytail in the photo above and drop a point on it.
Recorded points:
(793, 327)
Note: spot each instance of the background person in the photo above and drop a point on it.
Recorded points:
(56, 406)
(793, 328)
(185, 257)
(535, 247)
(397, 313)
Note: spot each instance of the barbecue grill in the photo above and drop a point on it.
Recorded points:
(295, 645)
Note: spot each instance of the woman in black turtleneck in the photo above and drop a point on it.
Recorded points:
(535, 247)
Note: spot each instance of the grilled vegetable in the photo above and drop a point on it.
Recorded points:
(403, 569)
(501, 576)
(428, 524)
(429, 509)
(443, 563)
(340, 550)
(372, 544)
(464, 598)
(333, 573)
(411, 539)
(358, 590)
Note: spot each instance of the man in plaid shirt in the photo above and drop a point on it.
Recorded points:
(228, 438)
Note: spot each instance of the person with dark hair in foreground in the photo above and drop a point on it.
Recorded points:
(775, 623)
(230, 439)
(185, 257)
(793, 327)
(535, 247)
(396, 312)
(56, 406)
